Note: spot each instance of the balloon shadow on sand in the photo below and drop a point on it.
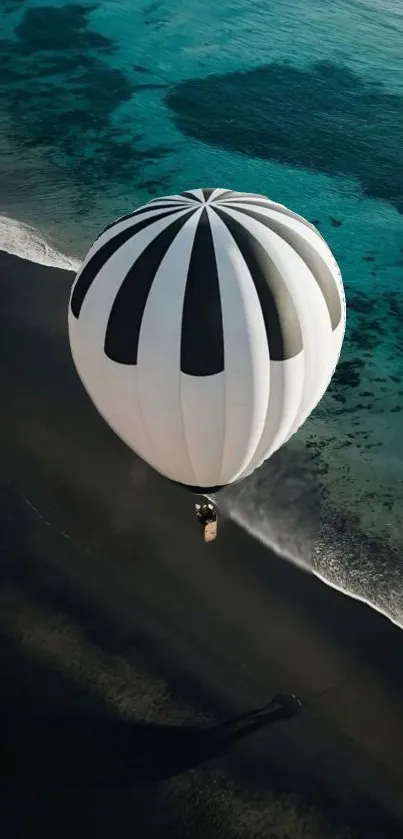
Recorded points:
(69, 751)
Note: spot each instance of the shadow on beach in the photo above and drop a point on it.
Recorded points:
(64, 751)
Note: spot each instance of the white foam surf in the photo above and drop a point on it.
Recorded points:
(22, 240)
(269, 541)
(292, 557)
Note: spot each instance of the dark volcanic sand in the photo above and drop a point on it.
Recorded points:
(117, 622)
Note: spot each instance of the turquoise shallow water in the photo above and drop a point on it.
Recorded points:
(103, 106)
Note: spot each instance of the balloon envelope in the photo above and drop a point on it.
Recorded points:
(205, 327)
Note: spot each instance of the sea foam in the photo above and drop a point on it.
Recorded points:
(22, 240)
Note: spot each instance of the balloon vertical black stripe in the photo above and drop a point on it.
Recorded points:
(208, 192)
(227, 194)
(101, 256)
(310, 256)
(259, 201)
(140, 212)
(202, 340)
(280, 317)
(124, 324)
(190, 195)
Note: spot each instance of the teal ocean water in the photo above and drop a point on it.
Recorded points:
(106, 105)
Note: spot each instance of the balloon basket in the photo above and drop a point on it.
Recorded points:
(207, 517)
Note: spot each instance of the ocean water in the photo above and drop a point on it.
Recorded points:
(106, 105)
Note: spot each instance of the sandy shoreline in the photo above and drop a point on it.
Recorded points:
(105, 607)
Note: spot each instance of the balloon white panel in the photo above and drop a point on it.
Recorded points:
(204, 429)
(159, 359)
(247, 362)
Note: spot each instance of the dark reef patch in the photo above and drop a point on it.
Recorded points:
(367, 334)
(361, 303)
(151, 15)
(347, 374)
(47, 28)
(375, 322)
(154, 186)
(59, 94)
(149, 86)
(371, 353)
(140, 68)
(324, 119)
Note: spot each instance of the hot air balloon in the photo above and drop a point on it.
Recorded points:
(205, 327)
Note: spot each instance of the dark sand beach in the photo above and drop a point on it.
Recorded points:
(126, 643)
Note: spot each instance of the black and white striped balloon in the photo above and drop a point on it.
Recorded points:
(206, 327)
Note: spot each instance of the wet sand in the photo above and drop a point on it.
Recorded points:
(117, 622)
